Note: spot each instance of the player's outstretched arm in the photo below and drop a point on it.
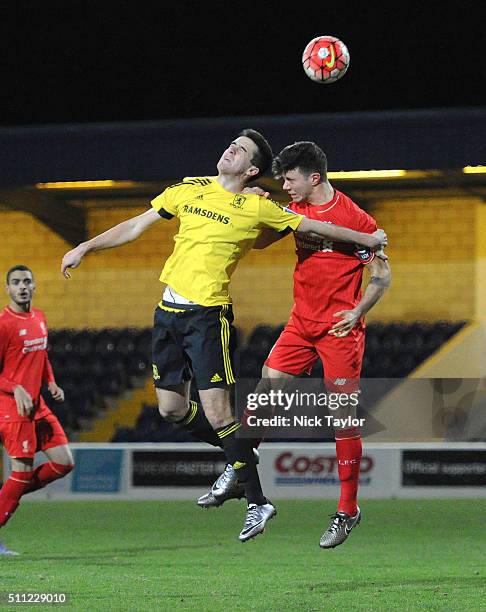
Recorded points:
(336, 233)
(116, 236)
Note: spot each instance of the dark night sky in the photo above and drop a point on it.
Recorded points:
(68, 62)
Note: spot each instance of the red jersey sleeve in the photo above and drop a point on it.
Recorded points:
(6, 385)
(48, 374)
(365, 222)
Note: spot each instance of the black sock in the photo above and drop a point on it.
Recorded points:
(196, 423)
(239, 452)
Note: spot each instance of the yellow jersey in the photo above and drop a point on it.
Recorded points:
(217, 228)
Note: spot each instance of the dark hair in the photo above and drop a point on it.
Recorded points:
(305, 155)
(19, 267)
(263, 156)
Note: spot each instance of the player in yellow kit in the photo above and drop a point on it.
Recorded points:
(191, 339)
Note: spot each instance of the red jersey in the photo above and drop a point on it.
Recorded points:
(328, 275)
(23, 360)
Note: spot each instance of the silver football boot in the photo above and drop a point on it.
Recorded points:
(339, 529)
(225, 487)
(256, 519)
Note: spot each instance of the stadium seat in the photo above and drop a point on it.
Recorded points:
(95, 367)
(67, 415)
(261, 340)
(150, 427)
(73, 367)
(143, 344)
(105, 343)
(391, 342)
(248, 363)
(110, 387)
(63, 344)
(114, 366)
(375, 327)
(83, 344)
(137, 365)
(413, 343)
(373, 342)
(126, 344)
(124, 434)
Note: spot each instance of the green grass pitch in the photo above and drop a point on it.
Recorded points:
(405, 555)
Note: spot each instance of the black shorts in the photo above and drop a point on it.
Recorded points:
(195, 343)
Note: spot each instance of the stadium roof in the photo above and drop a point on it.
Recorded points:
(154, 151)
(40, 167)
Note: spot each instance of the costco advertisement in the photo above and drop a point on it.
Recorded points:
(311, 472)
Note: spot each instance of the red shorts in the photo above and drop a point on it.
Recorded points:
(303, 341)
(22, 439)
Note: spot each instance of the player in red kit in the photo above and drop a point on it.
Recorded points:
(327, 318)
(26, 423)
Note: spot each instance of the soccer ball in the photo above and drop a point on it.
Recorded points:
(325, 59)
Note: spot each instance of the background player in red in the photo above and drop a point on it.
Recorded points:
(26, 423)
(327, 318)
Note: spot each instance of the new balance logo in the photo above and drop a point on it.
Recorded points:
(216, 378)
(22, 332)
(238, 465)
(199, 197)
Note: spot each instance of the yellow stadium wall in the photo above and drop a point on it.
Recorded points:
(433, 253)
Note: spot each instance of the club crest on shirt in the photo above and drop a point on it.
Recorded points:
(238, 201)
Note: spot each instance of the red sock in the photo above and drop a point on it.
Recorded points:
(348, 453)
(11, 492)
(46, 473)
